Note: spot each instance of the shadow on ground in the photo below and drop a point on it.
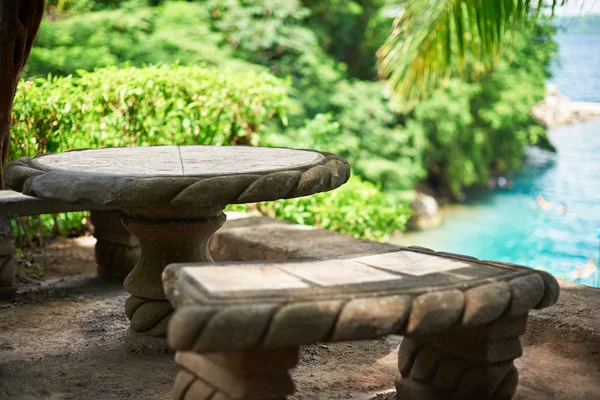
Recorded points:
(65, 338)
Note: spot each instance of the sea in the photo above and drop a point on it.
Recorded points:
(549, 218)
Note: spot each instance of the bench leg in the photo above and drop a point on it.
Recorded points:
(463, 363)
(117, 251)
(171, 239)
(8, 266)
(243, 375)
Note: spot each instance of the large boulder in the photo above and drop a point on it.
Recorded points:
(426, 213)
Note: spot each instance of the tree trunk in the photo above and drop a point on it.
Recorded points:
(19, 23)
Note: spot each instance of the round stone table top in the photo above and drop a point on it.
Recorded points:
(177, 176)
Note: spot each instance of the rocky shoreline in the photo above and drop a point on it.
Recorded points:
(558, 109)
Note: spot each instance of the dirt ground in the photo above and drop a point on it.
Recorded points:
(64, 337)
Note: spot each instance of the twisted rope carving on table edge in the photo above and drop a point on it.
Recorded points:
(203, 328)
(26, 176)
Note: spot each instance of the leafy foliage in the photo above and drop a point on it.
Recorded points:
(149, 106)
(351, 31)
(134, 36)
(474, 128)
(132, 106)
(357, 209)
(476, 124)
(433, 38)
(359, 124)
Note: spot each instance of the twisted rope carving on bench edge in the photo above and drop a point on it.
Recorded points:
(204, 328)
(26, 176)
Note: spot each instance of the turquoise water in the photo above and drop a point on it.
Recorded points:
(509, 224)
(577, 73)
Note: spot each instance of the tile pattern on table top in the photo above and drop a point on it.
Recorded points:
(183, 160)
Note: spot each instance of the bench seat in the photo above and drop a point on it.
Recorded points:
(466, 312)
(116, 250)
(15, 204)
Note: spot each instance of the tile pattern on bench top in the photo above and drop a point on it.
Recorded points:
(243, 278)
(416, 269)
(411, 263)
(337, 272)
(222, 280)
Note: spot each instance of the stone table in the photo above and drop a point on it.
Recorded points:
(172, 199)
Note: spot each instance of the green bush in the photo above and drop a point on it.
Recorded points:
(359, 124)
(474, 129)
(323, 49)
(358, 209)
(132, 106)
(179, 105)
(148, 106)
(137, 36)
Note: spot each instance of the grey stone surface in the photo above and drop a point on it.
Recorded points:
(463, 363)
(314, 304)
(485, 303)
(151, 161)
(263, 238)
(426, 213)
(15, 204)
(114, 259)
(177, 177)
(172, 198)
(357, 320)
(435, 311)
(117, 251)
(457, 311)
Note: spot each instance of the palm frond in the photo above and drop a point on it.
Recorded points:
(432, 38)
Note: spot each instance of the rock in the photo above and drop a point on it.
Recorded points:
(427, 213)
(558, 109)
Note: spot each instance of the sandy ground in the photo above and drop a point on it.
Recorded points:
(64, 337)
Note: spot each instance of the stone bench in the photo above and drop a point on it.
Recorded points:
(116, 250)
(238, 326)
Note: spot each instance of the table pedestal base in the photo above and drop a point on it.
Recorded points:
(166, 237)
(8, 265)
(117, 251)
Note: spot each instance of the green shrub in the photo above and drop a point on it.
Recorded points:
(132, 106)
(35, 230)
(358, 209)
(148, 106)
(472, 129)
(137, 36)
(360, 125)
(180, 105)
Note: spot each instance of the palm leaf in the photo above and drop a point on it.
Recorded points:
(432, 38)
